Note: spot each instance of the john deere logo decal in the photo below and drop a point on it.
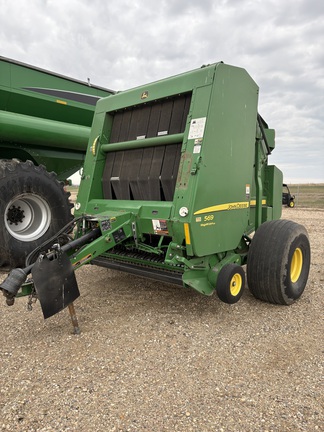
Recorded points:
(144, 95)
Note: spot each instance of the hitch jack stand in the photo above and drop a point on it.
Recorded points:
(74, 319)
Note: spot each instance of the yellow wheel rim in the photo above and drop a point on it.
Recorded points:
(236, 284)
(296, 265)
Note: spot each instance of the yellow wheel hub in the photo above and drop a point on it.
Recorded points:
(296, 265)
(236, 284)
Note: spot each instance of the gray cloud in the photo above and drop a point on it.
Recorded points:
(122, 44)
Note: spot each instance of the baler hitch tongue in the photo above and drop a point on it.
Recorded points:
(64, 292)
(52, 277)
(54, 282)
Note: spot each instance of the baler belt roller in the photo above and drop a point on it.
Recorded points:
(144, 142)
(152, 135)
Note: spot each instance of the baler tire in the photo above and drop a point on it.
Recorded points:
(33, 207)
(230, 283)
(278, 262)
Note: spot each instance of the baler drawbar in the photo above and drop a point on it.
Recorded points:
(176, 186)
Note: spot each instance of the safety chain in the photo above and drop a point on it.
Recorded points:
(32, 298)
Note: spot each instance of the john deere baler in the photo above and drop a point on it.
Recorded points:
(176, 180)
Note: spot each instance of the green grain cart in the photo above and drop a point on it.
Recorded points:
(45, 121)
(177, 187)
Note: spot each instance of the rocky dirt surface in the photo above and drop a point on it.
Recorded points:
(153, 357)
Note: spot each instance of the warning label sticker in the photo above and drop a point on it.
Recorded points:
(197, 148)
(247, 191)
(160, 226)
(197, 128)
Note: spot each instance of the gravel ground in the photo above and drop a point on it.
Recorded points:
(153, 357)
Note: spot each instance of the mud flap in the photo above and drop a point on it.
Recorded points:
(55, 283)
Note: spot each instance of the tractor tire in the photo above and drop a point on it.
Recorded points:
(278, 262)
(291, 204)
(33, 207)
(230, 283)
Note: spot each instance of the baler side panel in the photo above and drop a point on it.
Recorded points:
(225, 172)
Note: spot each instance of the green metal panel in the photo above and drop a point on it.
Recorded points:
(42, 110)
(175, 85)
(216, 193)
(37, 131)
(25, 89)
(273, 189)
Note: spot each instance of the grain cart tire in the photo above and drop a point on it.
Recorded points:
(278, 262)
(230, 283)
(33, 207)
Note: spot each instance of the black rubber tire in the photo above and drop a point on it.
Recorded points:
(230, 283)
(270, 274)
(20, 182)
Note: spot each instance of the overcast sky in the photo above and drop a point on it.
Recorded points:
(120, 44)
